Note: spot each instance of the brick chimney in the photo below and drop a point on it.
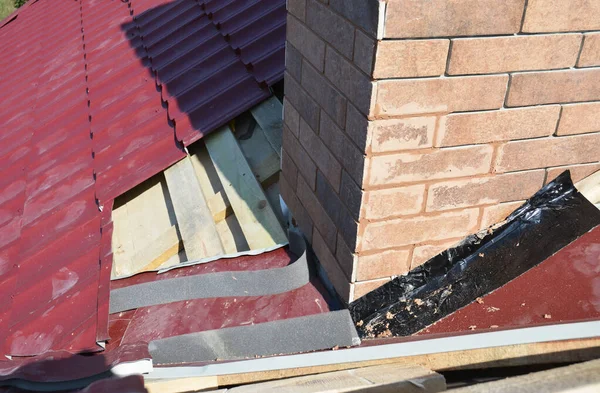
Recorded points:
(410, 124)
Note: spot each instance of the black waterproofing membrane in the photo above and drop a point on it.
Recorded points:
(554, 217)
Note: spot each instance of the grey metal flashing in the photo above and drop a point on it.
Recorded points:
(224, 284)
(570, 331)
(295, 335)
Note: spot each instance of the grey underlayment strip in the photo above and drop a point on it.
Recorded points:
(224, 284)
(296, 335)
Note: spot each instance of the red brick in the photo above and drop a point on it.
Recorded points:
(484, 191)
(590, 55)
(423, 253)
(553, 87)
(392, 202)
(404, 232)
(562, 15)
(317, 213)
(321, 155)
(437, 164)
(303, 162)
(402, 59)
(542, 153)
(441, 18)
(382, 265)
(495, 214)
(402, 134)
(515, 53)
(334, 272)
(578, 172)
(440, 95)
(579, 119)
(364, 287)
(501, 125)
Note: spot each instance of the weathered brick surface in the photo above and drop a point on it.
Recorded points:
(363, 287)
(437, 164)
(364, 13)
(441, 18)
(590, 54)
(442, 95)
(579, 119)
(515, 53)
(334, 272)
(404, 232)
(320, 154)
(482, 191)
(402, 134)
(364, 50)
(423, 253)
(564, 15)
(291, 117)
(551, 87)
(385, 264)
(293, 61)
(306, 106)
(303, 162)
(494, 214)
(317, 213)
(323, 92)
(334, 29)
(578, 172)
(350, 80)
(307, 42)
(501, 125)
(393, 202)
(408, 58)
(548, 152)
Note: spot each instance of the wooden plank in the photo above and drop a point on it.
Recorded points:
(590, 187)
(272, 193)
(269, 116)
(161, 249)
(583, 377)
(256, 217)
(197, 384)
(196, 225)
(392, 378)
(231, 235)
(263, 159)
(568, 351)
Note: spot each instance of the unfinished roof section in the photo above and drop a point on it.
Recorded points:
(90, 110)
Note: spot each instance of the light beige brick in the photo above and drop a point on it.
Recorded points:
(502, 125)
(541, 153)
(436, 164)
(307, 42)
(291, 117)
(423, 253)
(494, 214)
(441, 18)
(404, 232)
(364, 287)
(401, 59)
(382, 265)
(317, 213)
(578, 172)
(553, 87)
(380, 204)
(303, 162)
(402, 134)
(590, 54)
(440, 95)
(483, 191)
(321, 155)
(579, 119)
(515, 53)
(334, 272)
(564, 15)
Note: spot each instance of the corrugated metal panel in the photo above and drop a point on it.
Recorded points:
(98, 96)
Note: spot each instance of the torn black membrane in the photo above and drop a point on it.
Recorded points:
(554, 217)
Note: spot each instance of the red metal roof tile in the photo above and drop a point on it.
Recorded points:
(98, 96)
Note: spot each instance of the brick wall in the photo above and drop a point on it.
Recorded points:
(410, 124)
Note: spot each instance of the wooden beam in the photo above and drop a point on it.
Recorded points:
(161, 249)
(590, 187)
(196, 225)
(389, 378)
(262, 158)
(196, 384)
(269, 116)
(252, 210)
